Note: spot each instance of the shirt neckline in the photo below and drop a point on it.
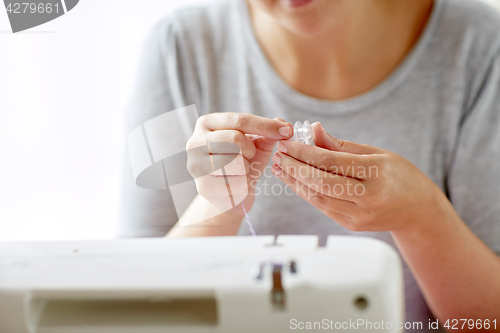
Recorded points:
(299, 100)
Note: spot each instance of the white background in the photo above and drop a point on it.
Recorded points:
(64, 87)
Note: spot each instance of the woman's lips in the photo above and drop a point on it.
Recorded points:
(298, 3)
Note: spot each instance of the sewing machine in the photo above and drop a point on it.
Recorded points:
(220, 284)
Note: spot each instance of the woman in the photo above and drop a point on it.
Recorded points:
(408, 88)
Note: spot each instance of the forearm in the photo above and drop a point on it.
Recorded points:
(458, 274)
(213, 222)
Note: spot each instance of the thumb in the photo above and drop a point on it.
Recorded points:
(324, 140)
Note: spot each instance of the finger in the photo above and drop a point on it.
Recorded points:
(315, 198)
(340, 163)
(248, 124)
(320, 181)
(228, 165)
(286, 122)
(324, 140)
(265, 144)
(213, 164)
(246, 145)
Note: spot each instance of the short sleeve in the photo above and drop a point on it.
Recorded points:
(163, 83)
(474, 176)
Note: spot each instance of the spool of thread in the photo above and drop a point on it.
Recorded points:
(303, 132)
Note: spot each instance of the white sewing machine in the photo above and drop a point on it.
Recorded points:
(221, 284)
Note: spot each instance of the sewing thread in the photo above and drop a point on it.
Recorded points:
(250, 226)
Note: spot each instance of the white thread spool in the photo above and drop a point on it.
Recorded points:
(303, 132)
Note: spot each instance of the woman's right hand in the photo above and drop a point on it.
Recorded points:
(240, 143)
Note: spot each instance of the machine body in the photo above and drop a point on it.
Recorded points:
(217, 285)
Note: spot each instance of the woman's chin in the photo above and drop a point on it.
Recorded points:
(304, 27)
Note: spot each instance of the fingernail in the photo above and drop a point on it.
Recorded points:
(285, 131)
(282, 147)
(277, 171)
(277, 159)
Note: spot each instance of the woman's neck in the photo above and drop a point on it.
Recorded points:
(360, 49)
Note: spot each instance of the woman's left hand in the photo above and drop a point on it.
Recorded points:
(361, 187)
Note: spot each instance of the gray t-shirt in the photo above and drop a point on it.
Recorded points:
(440, 109)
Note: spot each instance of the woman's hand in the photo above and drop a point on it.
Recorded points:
(233, 148)
(363, 188)
(370, 189)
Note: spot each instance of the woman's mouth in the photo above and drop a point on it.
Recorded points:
(297, 3)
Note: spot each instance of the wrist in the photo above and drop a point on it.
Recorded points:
(235, 215)
(209, 220)
(428, 214)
